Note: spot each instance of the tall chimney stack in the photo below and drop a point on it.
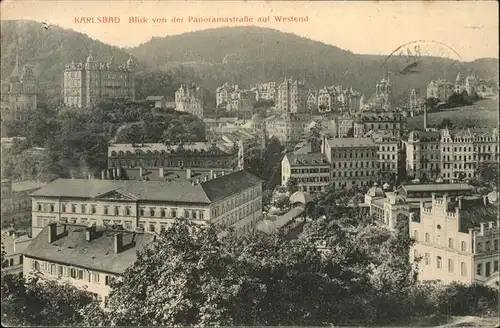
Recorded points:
(118, 242)
(425, 117)
(52, 232)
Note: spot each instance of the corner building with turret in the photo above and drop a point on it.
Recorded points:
(86, 84)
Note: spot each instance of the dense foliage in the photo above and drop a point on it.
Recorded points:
(75, 141)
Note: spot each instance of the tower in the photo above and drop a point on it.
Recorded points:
(92, 80)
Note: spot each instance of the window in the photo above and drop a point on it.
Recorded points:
(427, 259)
(151, 212)
(162, 228)
(36, 265)
(450, 265)
(488, 245)
(84, 208)
(73, 208)
(450, 243)
(193, 215)
(174, 213)
(93, 209)
(186, 214)
(495, 266)
(106, 209)
(95, 277)
(152, 227)
(438, 262)
(107, 280)
(463, 246)
(487, 271)
(463, 269)
(39, 207)
(495, 244)
(479, 247)
(427, 238)
(201, 215)
(73, 273)
(415, 255)
(63, 208)
(162, 213)
(415, 234)
(479, 269)
(117, 210)
(127, 211)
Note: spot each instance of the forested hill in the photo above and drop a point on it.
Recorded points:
(49, 50)
(239, 55)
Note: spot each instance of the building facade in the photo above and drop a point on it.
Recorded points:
(292, 97)
(311, 171)
(19, 94)
(286, 127)
(423, 154)
(456, 240)
(16, 202)
(382, 100)
(266, 91)
(468, 84)
(393, 123)
(231, 200)
(440, 89)
(197, 154)
(86, 84)
(189, 99)
(353, 161)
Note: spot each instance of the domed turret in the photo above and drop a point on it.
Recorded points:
(375, 191)
(301, 197)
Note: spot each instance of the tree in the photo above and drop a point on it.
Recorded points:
(487, 172)
(291, 185)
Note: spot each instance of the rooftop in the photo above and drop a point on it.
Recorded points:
(437, 187)
(155, 98)
(27, 185)
(311, 159)
(181, 191)
(71, 247)
(201, 147)
(350, 142)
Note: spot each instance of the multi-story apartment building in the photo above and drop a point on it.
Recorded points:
(287, 127)
(189, 99)
(223, 94)
(450, 154)
(196, 154)
(312, 101)
(389, 151)
(423, 154)
(393, 123)
(440, 89)
(87, 257)
(231, 200)
(311, 171)
(353, 161)
(18, 94)
(292, 97)
(253, 143)
(16, 202)
(456, 240)
(14, 243)
(86, 84)
(266, 91)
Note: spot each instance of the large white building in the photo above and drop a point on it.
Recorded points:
(231, 200)
(457, 240)
(292, 97)
(311, 171)
(189, 99)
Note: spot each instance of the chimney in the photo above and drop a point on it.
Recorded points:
(188, 173)
(90, 233)
(52, 232)
(103, 175)
(433, 197)
(425, 117)
(161, 172)
(118, 242)
(485, 200)
(483, 225)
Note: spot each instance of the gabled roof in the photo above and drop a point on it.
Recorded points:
(71, 247)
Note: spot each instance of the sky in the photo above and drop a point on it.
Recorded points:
(368, 27)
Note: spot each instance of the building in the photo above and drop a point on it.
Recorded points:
(484, 90)
(286, 127)
(312, 101)
(189, 99)
(311, 171)
(14, 243)
(389, 155)
(86, 84)
(159, 101)
(16, 202)
(223, 94)
(266, 91)
(353, 161)
(387, 206)
(423, 154)
(450, 154)
(231, 200)
(253, 143)
(150, 155)
(440, 89)
(19, 94)
(382, 100)
(469, 84)
(416, 103)
(292, 97)
(87, 257)
(393, 123)
(456, 240)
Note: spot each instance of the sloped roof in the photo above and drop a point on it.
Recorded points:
(72, 248)
(350, 142)
(310, 159)
(182, 191)
(439, 187)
